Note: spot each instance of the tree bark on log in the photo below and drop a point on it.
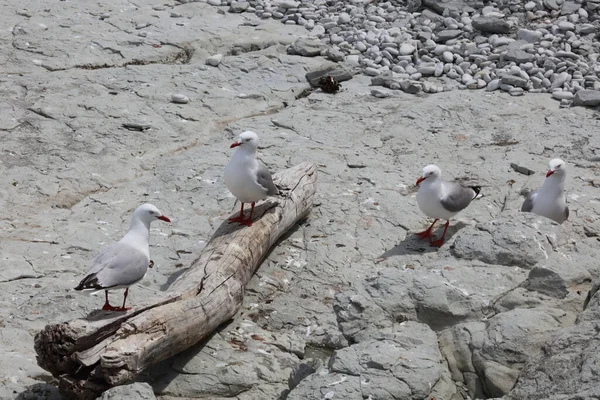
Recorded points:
(111, 348)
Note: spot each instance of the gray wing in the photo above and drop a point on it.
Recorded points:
(458, 197)
(117, 265)
(528, 203)
(263, 177)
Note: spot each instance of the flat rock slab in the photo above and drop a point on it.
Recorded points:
(520, 240)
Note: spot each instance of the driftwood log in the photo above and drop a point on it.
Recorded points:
(106, 349)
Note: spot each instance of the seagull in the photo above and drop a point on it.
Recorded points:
(125, 262)
(440, 199)
(245, 178)
(549, 201)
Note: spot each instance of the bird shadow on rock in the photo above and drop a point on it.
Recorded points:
(172, 278)
(40, 391)
(227, 227)
(413, 244)
(99, 315)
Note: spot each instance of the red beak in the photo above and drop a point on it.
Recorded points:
(550, 172)
(162, 217)
(235, 144)
(421, 179)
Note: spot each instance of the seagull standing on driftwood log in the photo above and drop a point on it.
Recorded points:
(245, 178)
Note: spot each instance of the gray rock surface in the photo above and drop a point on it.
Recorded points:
(567, 367)
(589, 98)
(134, 391)
(90, 131)
(510, 240)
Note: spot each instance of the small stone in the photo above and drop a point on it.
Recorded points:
(287, 4)
(448, 56)
(319, 30)
(370, 71)
(406, 49)
(439, 69)
(514, 81)
(180, 99)
(569, 7)
(560, 95)
(566, 26)
(491, 25)
(344, 18)
(238, 6)
(552, 4)
(529, 36)
(560, 80)
(307, 47)
(214, 2)
(426, 70)
(516, 91)
(448, 34)
(564, 103)
(353, 60)
(514, 52)
(334, 54)
(215, 60)
(410, 87)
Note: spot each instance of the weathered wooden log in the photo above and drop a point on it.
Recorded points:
(108, 348)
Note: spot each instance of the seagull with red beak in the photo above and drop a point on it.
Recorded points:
(245, 178)
(125, 262)
(549, 201)
(440, 199)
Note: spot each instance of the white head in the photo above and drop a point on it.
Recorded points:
(431, 172)
(247, 140)
(148, 213)
(556, 167)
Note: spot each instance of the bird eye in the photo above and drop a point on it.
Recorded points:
(151, 212)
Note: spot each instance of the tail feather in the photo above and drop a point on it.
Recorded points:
(476, 189)
(90, 282)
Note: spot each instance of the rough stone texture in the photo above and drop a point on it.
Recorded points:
(488, 356)
(588, 98)
(557, 278)
(134, 391)
(568, 366)
(510, 241)
(89, 132)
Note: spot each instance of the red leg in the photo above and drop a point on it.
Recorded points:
(124, 299)
(248, 221)
(427, 232)
(240, 217)
(107, 306)
(440, 241)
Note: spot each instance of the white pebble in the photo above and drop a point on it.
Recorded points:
(180, 98)
(214, 60)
